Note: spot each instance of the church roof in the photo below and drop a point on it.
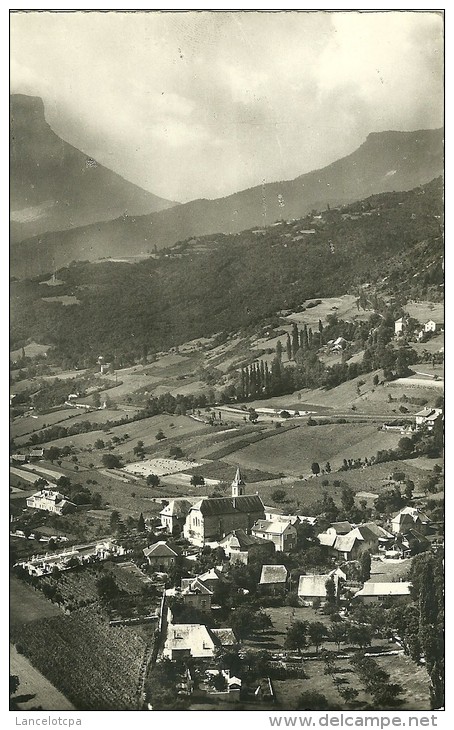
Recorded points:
(247, 503)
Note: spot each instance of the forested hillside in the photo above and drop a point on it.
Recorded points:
(225, 283)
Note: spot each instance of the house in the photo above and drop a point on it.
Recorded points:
(212, 518)
(36, 453)
(433, 325)
(160, 556)
(237, 546)
(225, 637)
(174, 514)
(188, 640)
(282, 534)
(340, 528)
(379, 592)
(409, 518)
(399, 326)
(427, 417)
(367, 497)
(273, 579)
(19, 458)
(50, 500)
(194, 593)
(211, 579)
(355, 542)
(197, 594)
(313, 587)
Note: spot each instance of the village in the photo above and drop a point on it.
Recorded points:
(242, 554)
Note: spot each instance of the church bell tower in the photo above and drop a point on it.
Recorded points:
(238, 484)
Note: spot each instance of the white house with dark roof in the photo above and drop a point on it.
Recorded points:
(174, 514)
(160, 556)
(283, 534)
(410, 518)
(238, 544)
(50, 500)
(427, 417)
(273, 578)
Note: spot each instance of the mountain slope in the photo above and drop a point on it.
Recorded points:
(392, 239)
(386, 161)
(54, 186)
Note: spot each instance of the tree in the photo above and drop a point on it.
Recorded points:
(330, 591)
(153, 480)
(312, 700)
(338, 633)
(141, 523)
(296, 636)
(160, 435)
(317, 634)
(347, 499)
(107, 587)
(115, 519)
(111, 461)
(197, 480)
(175, 452)
(315, 467)
(359, 635)
(99, 444)
(365, 565)
(96, 500)
(13, 684)
(278, 495)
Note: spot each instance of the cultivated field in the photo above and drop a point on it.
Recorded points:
(33, 349)
(96, 666)
(402, 670)
(28, 605)
(160, 467)
(35, 691)
(294, 451)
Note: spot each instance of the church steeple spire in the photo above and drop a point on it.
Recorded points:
(238, 484)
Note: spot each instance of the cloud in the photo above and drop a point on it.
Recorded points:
(200, 104)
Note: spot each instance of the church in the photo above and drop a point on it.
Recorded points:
(211, 518)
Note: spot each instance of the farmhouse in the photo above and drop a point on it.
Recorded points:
(427, 417)
(378, 592)
(160, 556)
(282, 534)
(50, 500)
(313, 587)
(210, 519)
(409, 518)
(273, 579)
(434, 325)
(174, 514)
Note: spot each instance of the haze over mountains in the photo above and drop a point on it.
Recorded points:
(386, 161)
(54, 186)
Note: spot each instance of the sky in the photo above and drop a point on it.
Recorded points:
(203, 104)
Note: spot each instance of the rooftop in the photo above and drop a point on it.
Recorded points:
(273, 574)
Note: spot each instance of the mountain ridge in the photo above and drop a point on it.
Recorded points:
(385, 162)
(55, 186)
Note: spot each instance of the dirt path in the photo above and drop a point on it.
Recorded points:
(35, 691)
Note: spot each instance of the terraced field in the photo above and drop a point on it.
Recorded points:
(97, 667)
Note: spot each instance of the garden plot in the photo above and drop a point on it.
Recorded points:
(160, 467)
